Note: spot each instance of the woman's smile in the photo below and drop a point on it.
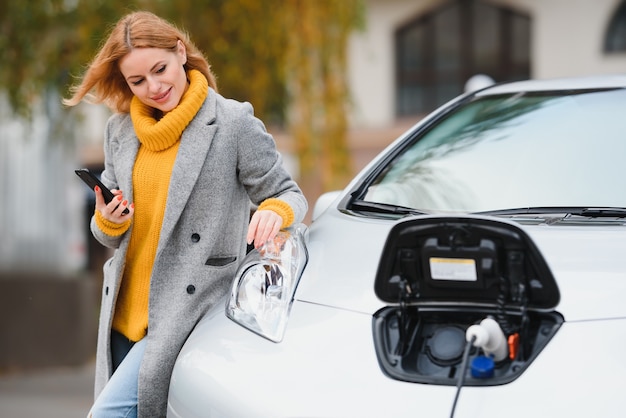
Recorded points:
(162, 97)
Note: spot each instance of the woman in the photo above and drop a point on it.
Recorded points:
(188, 164)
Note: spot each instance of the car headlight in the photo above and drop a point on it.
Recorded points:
(262, 292)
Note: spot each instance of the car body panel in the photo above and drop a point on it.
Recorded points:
(588, 261)
(312, 374)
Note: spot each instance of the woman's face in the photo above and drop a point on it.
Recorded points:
(156, 76)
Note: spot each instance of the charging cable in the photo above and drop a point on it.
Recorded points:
(489, 337)
(463, 371)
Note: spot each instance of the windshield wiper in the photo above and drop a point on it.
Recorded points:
(386, 208)
(592, 212)
(601, 212)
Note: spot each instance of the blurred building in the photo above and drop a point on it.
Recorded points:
(414, 55)
(48, 295)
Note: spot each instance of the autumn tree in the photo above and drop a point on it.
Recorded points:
(287, 57)
(316, 67)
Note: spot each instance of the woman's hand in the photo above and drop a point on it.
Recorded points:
(113, 211)
(264, 226)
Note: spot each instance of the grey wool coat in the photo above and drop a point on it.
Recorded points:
(226, 163)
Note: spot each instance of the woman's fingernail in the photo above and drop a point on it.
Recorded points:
(119, 197)
(97, 188)
(132, 205)
(125, 202)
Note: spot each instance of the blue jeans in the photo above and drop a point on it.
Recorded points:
(119, 397)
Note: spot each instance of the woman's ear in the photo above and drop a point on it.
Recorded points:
(182, 51)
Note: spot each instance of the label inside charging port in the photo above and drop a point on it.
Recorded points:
(458, 269)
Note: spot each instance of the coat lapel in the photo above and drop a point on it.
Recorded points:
(194, 146)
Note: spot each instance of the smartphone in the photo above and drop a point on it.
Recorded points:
(92, 181)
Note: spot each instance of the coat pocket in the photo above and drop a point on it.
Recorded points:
(220, 261)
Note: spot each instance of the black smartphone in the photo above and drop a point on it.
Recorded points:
(92, 181)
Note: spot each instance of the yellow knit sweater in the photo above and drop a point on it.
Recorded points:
(151, 176)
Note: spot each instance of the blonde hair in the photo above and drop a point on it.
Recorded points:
(103, 81)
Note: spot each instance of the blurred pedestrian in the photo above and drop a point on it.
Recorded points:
(190, 165)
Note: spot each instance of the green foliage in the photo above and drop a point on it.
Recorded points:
(276, 54)
(44, 42)
(316, 64)
(244, 41)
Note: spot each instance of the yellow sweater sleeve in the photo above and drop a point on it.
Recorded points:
(111, 228)
(281, 207)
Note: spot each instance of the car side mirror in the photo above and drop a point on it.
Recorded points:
(323, 203)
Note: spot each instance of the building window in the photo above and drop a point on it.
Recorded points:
(438, 52)
(615, 40)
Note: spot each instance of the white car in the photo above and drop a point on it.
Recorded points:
(475, 268)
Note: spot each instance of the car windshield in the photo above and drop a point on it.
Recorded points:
(522, 150)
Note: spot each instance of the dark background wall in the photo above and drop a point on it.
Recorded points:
(46, 320)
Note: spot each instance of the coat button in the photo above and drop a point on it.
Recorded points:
(191, 289)
(195, 237)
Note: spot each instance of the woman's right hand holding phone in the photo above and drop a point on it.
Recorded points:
(113, 211)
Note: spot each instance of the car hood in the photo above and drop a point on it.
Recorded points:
(586, 259)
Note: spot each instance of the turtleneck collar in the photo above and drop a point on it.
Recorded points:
(158, 135)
